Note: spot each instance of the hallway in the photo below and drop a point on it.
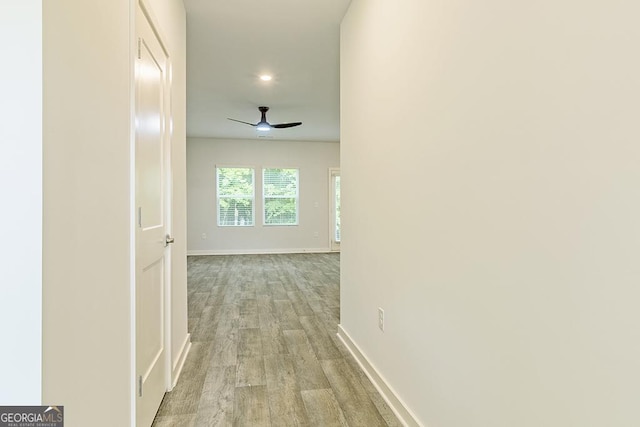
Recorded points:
(264, 348)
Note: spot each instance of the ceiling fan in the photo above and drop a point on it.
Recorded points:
(263, 125)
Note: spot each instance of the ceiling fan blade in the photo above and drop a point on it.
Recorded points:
(240, 121)
(286, 125)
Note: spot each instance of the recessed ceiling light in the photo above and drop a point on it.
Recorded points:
(265, 77)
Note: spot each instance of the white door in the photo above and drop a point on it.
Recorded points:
(334, 206)
(152, 168)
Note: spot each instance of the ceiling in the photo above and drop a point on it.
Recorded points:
(231, 43)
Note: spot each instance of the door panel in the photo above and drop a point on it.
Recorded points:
(149, 315)
(151, 87)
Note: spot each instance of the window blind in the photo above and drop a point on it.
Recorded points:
(280, 191)
(235, 196)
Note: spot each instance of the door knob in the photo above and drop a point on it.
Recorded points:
(168, 240)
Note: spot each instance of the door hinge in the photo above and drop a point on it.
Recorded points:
(140, 386)
(140, 217)
(139, 48)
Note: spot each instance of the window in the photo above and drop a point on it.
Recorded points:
(235, 196)
(336, 208)
(280, 191)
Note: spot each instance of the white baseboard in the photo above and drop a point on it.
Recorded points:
(257, 251)
(405, 416)
(177, 367)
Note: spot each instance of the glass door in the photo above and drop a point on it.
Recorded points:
(334, 226)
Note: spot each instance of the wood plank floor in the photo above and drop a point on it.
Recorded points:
(265, 351)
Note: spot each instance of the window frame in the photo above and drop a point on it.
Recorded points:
(241, 196)
(265, 196)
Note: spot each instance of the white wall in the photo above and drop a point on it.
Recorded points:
(493, 147)
(21, 195)
(86, 261)
(313, 159)
(87, 212)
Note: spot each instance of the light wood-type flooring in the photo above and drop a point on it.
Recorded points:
(265, 351)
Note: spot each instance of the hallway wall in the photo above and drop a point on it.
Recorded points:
(86, 257)
(87, 271)
(490, 206)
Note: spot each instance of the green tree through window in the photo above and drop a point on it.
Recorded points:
(280, 189)
(235, 196)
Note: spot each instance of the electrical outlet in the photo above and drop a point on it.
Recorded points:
(204, 236)
(381, 319)
(316, 234)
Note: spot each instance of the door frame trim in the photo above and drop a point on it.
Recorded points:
(168, 208)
